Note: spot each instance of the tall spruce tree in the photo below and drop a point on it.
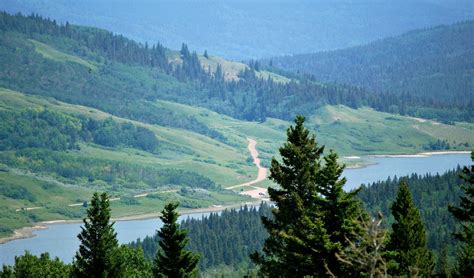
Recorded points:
(465, 214)
(95, 257)
(313, 217)
(408, 238)
(172, 260)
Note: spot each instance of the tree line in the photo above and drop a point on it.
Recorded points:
(225, 239)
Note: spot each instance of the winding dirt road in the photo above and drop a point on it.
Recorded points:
(256, 192)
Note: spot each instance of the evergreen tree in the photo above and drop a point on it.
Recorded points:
(205, 54)
(408, 238)
(185, 54)
(314, 218)
(465, 214)
(95, 257)
(172, 260)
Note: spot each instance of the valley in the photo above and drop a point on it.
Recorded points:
(150, 131)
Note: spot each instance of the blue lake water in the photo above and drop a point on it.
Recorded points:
(60, 239)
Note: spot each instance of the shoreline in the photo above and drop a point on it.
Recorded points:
(365, 164)
(27, 232)
(421, 154)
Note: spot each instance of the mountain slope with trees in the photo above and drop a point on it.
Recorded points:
(133, 75)
(436, 63)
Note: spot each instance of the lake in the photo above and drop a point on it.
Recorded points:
(60, 239)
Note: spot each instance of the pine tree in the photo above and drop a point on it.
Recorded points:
(408, 238)
(313, 217)
(465, 214)
(172, 260)
(205, 54)
(95, 257)
(185, 54)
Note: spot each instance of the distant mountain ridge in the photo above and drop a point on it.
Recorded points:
(436, 62)
(245, 29)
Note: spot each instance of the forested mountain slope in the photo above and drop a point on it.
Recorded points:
(133, 75)
(437, 63)
(252, 29)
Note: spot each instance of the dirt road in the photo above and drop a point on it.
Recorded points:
(255, 192)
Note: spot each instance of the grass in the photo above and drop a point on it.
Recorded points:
(50, 53)
(366, 131)
(52, 197)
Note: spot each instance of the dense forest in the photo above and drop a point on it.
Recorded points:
(105, 77)
(434, 63)
(219, 237)
(431, 194)
(223, 239)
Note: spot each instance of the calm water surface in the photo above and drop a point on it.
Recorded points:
(60, 239)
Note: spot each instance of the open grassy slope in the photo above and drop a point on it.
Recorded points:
(49, 52)
(231, 69)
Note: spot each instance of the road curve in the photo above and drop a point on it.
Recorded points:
(262, 171)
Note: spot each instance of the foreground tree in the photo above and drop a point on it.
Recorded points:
(32, 266)
(172, 260)
(408, 238)
(95, 257)
(314, 217)
(465, 214)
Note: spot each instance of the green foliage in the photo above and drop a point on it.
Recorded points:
(114, 174)
(314, 217)
(59, 132)
(32, 266)
(465, 214)
(172, 260)
(408, 238)
(15, 192)
(96, 255)
(38, 129)
(132, 263)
